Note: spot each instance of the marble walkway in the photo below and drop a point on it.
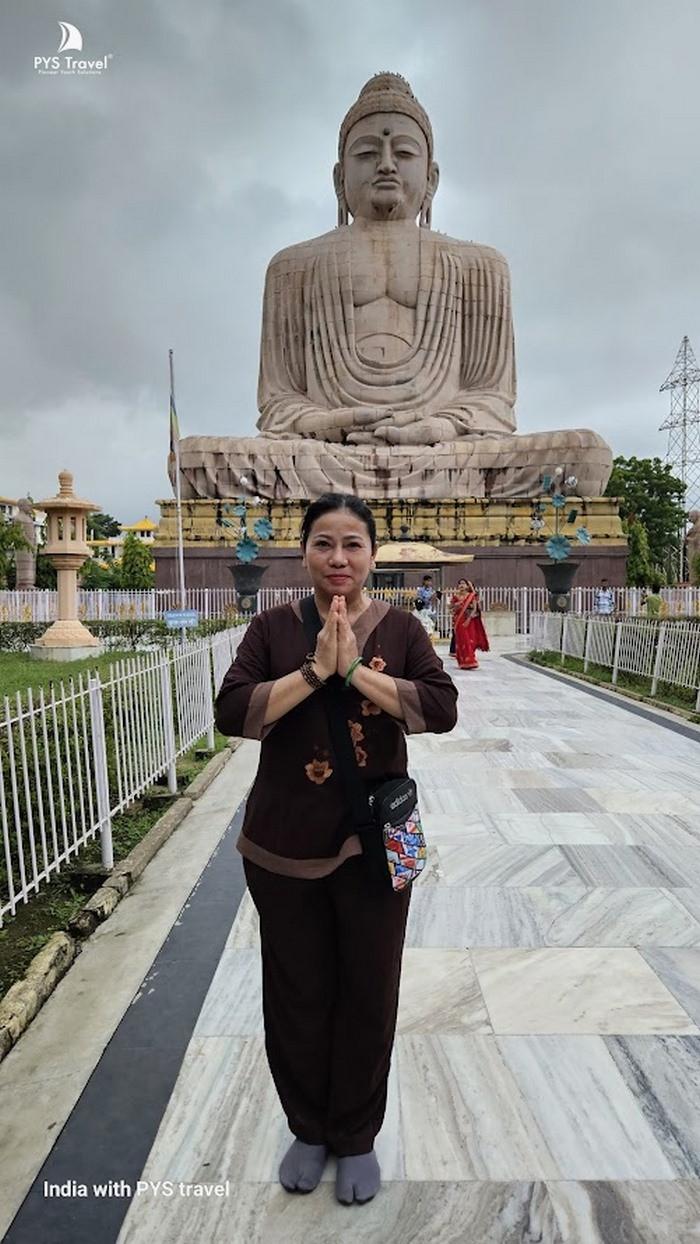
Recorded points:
(545, 1083)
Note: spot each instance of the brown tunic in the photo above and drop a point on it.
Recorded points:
(297, 821)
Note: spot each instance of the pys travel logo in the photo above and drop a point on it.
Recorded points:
(64, 63)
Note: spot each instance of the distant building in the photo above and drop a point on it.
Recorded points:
(8, 508)
(145, 529)
(107, 549)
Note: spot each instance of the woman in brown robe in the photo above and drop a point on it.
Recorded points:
(331, 935)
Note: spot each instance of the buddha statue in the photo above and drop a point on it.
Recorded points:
(387, 360)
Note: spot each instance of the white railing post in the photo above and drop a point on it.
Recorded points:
(587, 645)
(616, 655)
(99, 759)
(657, 659)
(166, 708)
(209, 696)
(564, 637)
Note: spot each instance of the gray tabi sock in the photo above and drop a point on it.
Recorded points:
(302, 1166)
(358, 1178)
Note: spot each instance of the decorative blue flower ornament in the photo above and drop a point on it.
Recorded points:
(583, 535)
(558, 548)
(246, 550)
(262, 528)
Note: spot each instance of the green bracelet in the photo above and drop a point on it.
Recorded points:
(351, 671)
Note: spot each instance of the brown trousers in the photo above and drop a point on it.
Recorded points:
(331, 957)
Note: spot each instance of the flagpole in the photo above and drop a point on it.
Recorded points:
(178, 497)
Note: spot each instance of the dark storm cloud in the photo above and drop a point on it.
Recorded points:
(139, 209)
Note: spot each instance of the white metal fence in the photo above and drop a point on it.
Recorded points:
(39, 605)
(74, 757)
(663, 652)
(520, 600)
(100, 605)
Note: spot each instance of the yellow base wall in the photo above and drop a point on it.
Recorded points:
(462, 521)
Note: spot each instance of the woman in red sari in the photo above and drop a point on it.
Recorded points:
(469, 631)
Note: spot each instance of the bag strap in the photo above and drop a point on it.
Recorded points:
(335, 703)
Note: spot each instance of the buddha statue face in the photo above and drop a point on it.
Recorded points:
(386, 172)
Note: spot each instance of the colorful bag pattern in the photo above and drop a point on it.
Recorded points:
(406, 850)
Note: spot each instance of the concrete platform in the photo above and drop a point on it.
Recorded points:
(545, 1083)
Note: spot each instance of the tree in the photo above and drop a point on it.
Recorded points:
(93, 574)
(99, 526)
(136, 561)
(45, 573)
(11, 539)
(639, 569)
(650, 494)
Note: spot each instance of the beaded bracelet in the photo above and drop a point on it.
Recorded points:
(351, 671)
(309, 673)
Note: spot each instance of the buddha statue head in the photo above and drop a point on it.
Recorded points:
(385, 168)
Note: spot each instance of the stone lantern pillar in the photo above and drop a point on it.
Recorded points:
(66, 547)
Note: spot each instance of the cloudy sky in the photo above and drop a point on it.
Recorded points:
(139, 208)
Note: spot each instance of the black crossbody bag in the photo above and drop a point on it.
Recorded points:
(385, 813)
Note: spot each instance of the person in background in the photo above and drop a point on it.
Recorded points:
(331, 934)
(604, 599)
(470, 633)
(428, 596)
(456, 599)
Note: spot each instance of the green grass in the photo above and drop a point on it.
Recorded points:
(19, 671)
(48, 912)
(667, 695)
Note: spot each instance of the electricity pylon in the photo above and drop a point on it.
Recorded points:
(683, 427)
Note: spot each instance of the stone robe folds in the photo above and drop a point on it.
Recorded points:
(460, 365)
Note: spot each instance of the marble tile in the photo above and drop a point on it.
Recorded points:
(245, 930)
(633, 1212)
(647, 803)
(678, 859)
(524, 829)
(481, 1126)
(587, 990)
(680, 972)
(440, 993)
(442, 829)
(413, 1213)
(482, 799)
(456, 918)
(557, 801)
(583, 760)
(224, 1119)
(499, 864)
(607, 917)
(591, 1121)
(688, 898)
(233, 1005)
(664, 1074)
(452, 744)
(621, 866)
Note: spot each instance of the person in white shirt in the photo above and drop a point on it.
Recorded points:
(605, 598)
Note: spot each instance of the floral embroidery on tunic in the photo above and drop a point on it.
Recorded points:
(378, 664)
(356, 732)
(369, 709)
(360, 756)
(318, 771)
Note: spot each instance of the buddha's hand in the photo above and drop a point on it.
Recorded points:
(327, 425)
(430, 431)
